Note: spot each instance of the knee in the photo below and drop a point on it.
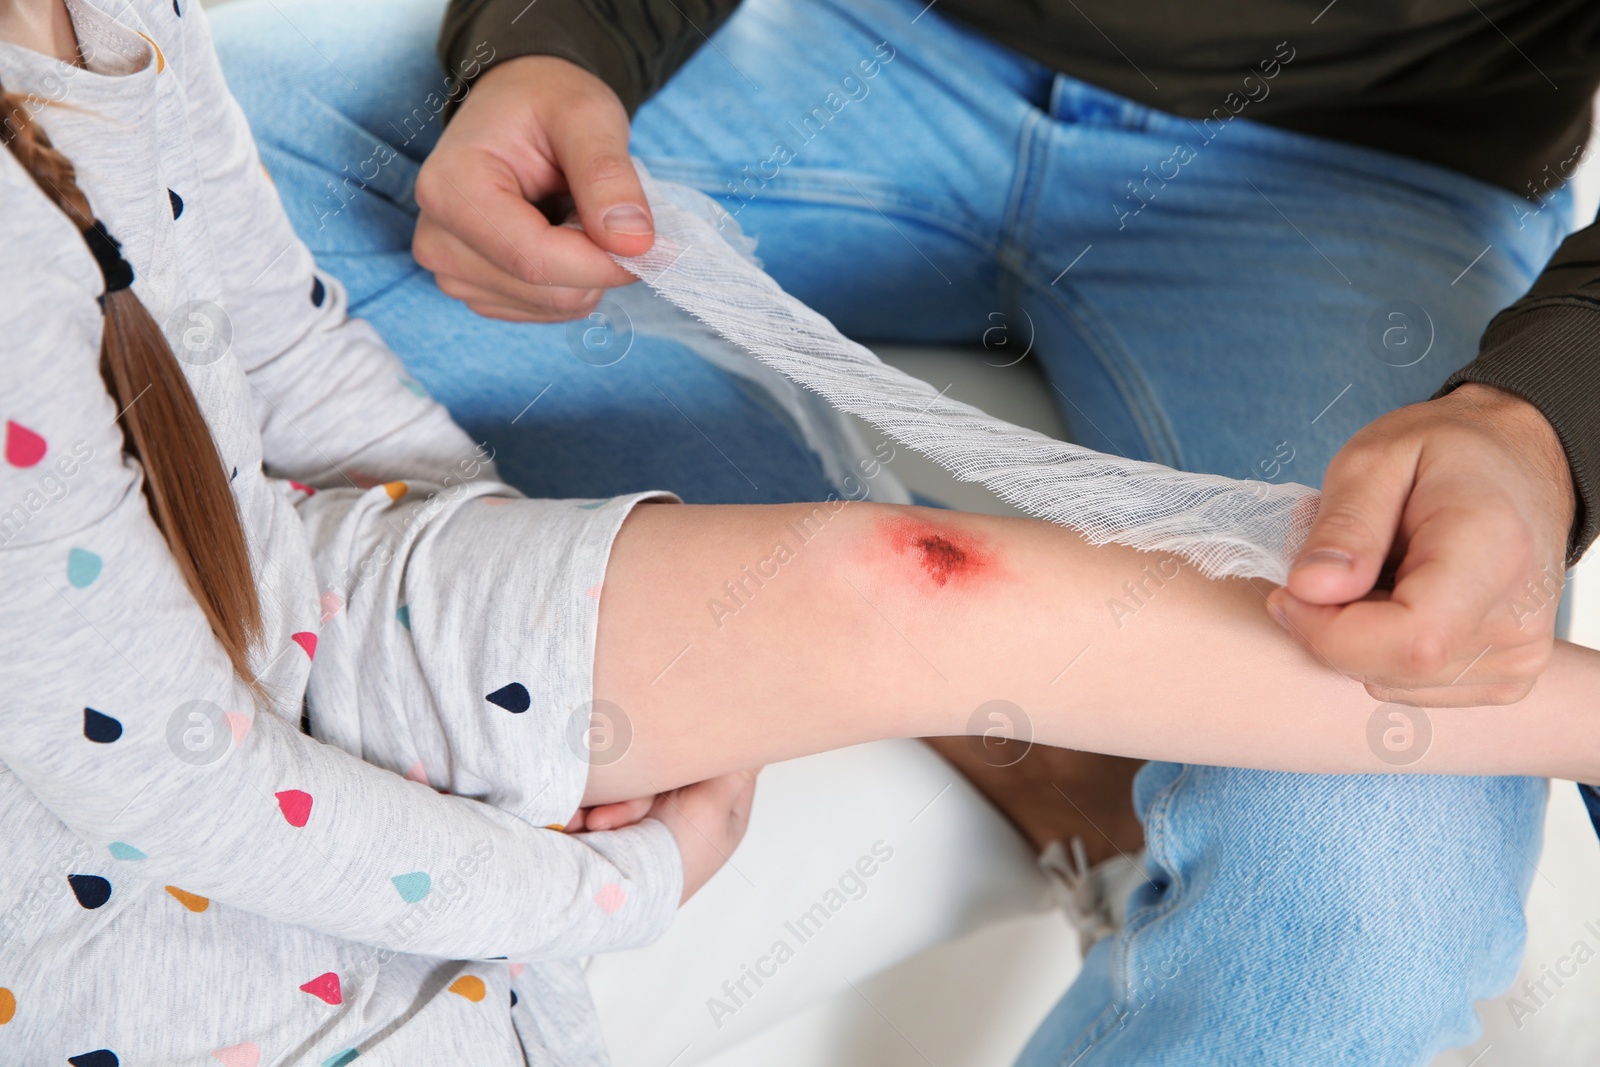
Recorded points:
(1395, 898)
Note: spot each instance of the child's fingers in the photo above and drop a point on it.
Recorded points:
(724, 802)
(725, 789)
(707, 819)
(737, 791)
(743, 798)
(622, 813)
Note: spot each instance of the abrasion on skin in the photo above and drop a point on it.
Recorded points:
(942, 554)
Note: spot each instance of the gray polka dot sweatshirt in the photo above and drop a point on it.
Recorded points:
(189, 878)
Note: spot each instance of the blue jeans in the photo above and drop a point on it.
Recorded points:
(1220, 296)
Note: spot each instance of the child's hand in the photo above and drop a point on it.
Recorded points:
(708, 819)
(611, 816)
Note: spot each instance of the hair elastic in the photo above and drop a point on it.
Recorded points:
(107, 250)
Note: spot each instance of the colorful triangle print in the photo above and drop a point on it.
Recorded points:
(469, 986)
(325, 987)
(91, 890)
(99, 727)
(330, 603)
(192, 901)
(247, 1054)
(611, 898)
(514, 698)
(100, 1057)
(83, 567)
(24, 448)
(414, 886)
(295, 805)
(238, 725)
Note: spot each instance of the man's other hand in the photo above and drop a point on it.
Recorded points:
(1436, 562)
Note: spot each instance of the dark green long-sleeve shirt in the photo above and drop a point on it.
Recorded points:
(1498, 89)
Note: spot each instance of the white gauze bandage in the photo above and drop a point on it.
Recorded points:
(1226, 528)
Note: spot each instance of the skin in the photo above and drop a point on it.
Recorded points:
(862, 631)
(40, 25)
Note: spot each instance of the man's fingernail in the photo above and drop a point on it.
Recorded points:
(1326, 557)
(626, 219)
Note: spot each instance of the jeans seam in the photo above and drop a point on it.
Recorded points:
(1158, 845)
(382, 290)
(1016, 222)
(402, 198)
(1154, 428)
(1015, 251)
(1155, 822)
(1466, 198)
(794, 188)
(1091, 1036)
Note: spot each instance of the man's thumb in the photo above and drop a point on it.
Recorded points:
(1346, 547)
(605, 188)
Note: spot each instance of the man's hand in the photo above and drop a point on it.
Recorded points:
(532, 130)
(1469, 500)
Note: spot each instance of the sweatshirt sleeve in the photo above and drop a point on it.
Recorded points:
(1545, 348)
(634, 46)
(112, 674)
(310, 365)
(110, 666)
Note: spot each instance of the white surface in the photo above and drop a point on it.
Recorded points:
(888, 851)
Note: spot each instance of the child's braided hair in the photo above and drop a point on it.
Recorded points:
(162, 425)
